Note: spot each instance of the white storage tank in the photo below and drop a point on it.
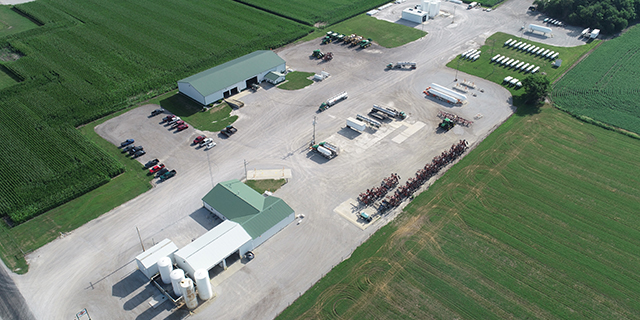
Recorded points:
(189, 293)
(205, 292)
(165, 267)
(177, 276)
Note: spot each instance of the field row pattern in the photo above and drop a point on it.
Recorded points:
(603, 86)
(91, 58)
(539, 222)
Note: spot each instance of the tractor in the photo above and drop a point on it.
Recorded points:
(446, 124)
(317, 54)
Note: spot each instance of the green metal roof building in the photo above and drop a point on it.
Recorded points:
(231, 77)
(260, 216)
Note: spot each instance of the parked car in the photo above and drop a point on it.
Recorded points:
(156, 168)
(205, 142)
(210, 145)
(126, 142)
(139, 153)
(156, 112)
(161, 172)
(168, 175)
(168, 118)
(151, 163)
(182, 127)
(128, 148)
(199, 139)
(135, 149)
(229, 130)
(177, 124)
(174, 120)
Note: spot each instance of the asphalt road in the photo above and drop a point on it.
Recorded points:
(92, 267)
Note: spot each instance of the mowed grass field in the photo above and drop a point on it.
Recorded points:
(317, 13)
(604, 86)
(484, 68)
(384, 33)
(540, 221)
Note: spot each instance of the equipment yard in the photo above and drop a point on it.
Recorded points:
(92, 267)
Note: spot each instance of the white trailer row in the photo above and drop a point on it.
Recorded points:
(445, 94)
(513, 81)
(516, 64)
(472, 54)
(542, 52)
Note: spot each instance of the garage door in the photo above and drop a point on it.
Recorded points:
(251, 81)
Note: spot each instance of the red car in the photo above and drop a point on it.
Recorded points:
(177, 124)
(199, 139)
(182, 127)
(156, 168)
(168, 118)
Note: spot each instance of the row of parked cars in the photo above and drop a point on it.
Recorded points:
(159, 170)
(133, 150)
(175, 122)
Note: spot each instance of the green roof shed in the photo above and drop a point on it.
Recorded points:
(260, 216)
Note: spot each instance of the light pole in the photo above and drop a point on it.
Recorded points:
(454, 15)
(313, 139)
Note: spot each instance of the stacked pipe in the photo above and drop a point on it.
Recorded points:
(422, 175)
(459, 120)
(371, 195)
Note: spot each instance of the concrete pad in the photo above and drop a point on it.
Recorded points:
(350, 211)
(408, 132)
(274, 174)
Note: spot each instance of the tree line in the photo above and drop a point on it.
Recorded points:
(610, 16)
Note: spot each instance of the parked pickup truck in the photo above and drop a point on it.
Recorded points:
(229, 130)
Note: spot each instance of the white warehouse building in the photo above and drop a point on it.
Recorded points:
(231, 77)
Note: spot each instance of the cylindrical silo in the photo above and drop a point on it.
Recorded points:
(165, 268)
(205, 292)
(189, 293)
(177, 275)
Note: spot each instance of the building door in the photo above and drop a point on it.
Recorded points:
(226, 94)
(234, 91)
(251, 81)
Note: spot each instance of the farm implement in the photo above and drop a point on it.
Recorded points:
(457, 120)
(371, 195)
(422, 176)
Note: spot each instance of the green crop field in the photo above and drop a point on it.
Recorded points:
(317, 13)
(604, 85)
(484, 68)
(540, 221)
(87, 59)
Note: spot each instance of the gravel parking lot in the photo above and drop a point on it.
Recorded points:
(93, 267)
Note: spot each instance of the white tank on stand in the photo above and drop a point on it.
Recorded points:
(177, 275)
(203, 283)
(165, 268)
(189, 293)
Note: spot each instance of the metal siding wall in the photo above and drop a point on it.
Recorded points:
(190, 91)
(271, 232)
(143, 269)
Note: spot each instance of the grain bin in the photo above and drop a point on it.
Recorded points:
(205, 292)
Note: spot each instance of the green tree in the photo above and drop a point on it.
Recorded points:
(536, 87)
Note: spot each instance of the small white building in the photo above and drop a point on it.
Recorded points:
(231, 77)
(414, 15)
(147, 261)
(274, 77)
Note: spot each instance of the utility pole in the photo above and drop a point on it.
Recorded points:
(313, 140)
(454, 15)
(143, 250)
(245, 169)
